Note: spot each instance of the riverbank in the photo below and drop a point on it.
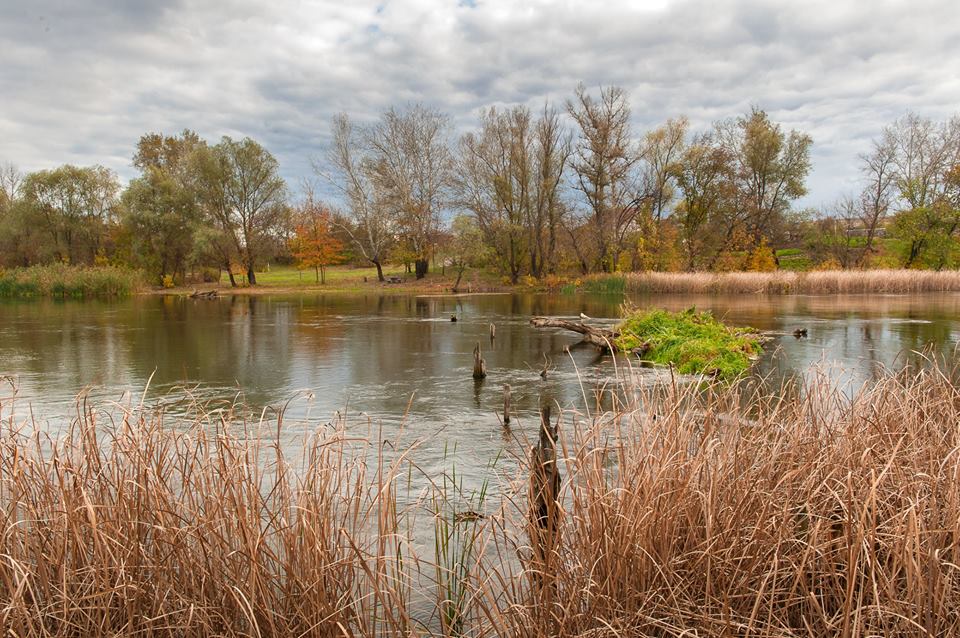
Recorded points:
(62, 281)
(679, 511)
(827, 282)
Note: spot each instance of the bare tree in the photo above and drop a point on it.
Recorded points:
(879, 171)
(495, 183)
(372, 230)
(924, 153)
(509, 177)
(412, 168)
(603, 162)
(10, 181)
(661, 149)
(553, 146)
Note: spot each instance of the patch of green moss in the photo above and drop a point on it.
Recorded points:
(694, 342)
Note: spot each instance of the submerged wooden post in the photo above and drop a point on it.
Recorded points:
(479, 367)
(544, 495)
(506, 404)
(493, 332)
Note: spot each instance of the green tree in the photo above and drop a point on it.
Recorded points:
(466, 247)
(74, 208)
(161, 207)
(771, 168)
(707, 213)
(244, 197)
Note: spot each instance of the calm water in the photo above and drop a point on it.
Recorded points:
(384, 360)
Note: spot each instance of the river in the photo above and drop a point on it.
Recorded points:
(392, 361)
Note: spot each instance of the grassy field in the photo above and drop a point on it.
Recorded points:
(350, 279)
(681, 512)
(336, 276)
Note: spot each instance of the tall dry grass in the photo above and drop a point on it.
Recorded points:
(787, 282)
(725, 511)
(724, 514)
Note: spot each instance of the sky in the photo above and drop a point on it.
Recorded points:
(80, 82)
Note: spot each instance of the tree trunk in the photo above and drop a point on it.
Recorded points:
(506, 404)
(376, 262)
(421, 267)
(603, 339)
(456, 285)
(251, 276)
(316, 274)
(323, 275)
(479, 366)
(233, 280)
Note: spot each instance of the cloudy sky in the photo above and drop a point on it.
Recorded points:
(81, 81)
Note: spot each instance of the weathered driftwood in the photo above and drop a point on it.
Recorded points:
(205, 294)
(479, 366)
(600, 337)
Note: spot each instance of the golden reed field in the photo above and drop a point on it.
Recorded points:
(726, 510)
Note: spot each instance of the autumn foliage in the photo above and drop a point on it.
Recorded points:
(314, 244)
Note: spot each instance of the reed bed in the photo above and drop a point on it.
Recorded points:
(684, 511)
(787, 282)
(62, 280)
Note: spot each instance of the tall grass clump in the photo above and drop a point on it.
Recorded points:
(605, 284)
(784, 282)
(726, 510)
(61, 280)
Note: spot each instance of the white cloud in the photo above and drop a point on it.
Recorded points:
(80, 82)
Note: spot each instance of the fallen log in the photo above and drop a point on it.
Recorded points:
(206, 294)
(600, 337)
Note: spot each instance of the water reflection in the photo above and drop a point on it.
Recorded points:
(382, 354)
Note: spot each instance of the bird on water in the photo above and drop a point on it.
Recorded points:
(583, 317)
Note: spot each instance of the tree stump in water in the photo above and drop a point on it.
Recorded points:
(479, 366)
(506, 404)
(493, 332)
(544, 494)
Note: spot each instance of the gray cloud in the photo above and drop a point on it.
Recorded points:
(80, 82)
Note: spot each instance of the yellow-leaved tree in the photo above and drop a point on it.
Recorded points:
(314, 244)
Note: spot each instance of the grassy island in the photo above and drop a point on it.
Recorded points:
(694, 342)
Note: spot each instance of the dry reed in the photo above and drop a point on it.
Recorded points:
(787, 282)
(725, 511)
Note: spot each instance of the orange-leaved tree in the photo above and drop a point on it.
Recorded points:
(314, 244)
